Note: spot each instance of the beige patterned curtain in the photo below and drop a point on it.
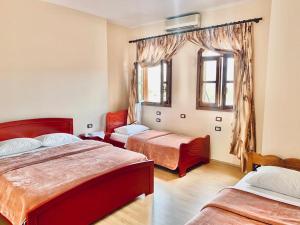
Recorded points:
(132, 117)
(149, 53)
(234, 38)
(237, 39)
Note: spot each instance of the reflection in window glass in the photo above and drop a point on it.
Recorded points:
(209, 70)
(165, 81)
(209, 93)
(229, 94)
(165, 92)
(154, 84)
(165, 72)
(230, 69)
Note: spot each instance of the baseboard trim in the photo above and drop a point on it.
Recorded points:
(226, 163)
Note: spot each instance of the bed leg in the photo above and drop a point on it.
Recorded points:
(150, 190)
(148, 193)
(182, 172)
(151, 180)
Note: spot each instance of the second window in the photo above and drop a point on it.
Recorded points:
(215, 80)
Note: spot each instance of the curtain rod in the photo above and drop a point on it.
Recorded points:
(256, 20)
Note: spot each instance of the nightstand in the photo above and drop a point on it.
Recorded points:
(96, 136)
(84, 137)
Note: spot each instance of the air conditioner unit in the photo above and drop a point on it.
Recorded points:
(183, 22)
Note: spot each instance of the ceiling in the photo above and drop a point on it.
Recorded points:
(134, 13)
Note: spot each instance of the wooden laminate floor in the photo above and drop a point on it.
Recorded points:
(176, 200)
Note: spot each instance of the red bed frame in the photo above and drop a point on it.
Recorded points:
(191, 154)
(91, 200)
(115, 120)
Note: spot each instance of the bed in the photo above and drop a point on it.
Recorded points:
(245, 203)
(78, 183)
(167, 149)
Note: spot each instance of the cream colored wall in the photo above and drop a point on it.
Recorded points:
(118, 56)
(62, 63)
(53, 63)
(281, 134)
(200, 122)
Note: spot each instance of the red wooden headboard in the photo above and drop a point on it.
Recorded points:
(115, 120)
(35, 127)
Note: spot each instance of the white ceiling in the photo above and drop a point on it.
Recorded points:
(133, 13)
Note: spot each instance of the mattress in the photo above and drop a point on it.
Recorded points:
(244, 186)
(119, 137)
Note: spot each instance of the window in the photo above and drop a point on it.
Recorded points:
(154, 84)
(215, 81)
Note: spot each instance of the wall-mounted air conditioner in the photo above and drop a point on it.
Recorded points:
(183, 22)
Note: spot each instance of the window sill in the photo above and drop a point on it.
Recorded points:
(156, 104)
(208, 108)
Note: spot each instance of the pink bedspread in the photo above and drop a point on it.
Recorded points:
(31, 179)
(160, 146)
(236, 207)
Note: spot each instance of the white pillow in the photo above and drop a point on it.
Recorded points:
(277, 179)
(131, 129)
(18, 145)
(56, 139)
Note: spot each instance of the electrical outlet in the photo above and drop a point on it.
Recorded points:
(219, 119)
(158, 120)
(218, 128)
(158, 113)
(182, 116)
(90, 125)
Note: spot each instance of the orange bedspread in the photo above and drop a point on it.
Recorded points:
(236, 207)
(32, 179)
(160, 146)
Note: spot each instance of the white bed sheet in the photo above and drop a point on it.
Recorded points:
(119, 137)
(244, 186)
(34, 150)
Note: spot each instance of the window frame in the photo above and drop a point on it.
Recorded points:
(226, 56)
(168, 102)
(221, 81)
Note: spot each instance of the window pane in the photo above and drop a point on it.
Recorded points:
(229, 94)
(209, 70)
(154, 83)
(209, 93)
(210, 53)
(165, 80)
(164, 92)
(165, 71)
(230, 69)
